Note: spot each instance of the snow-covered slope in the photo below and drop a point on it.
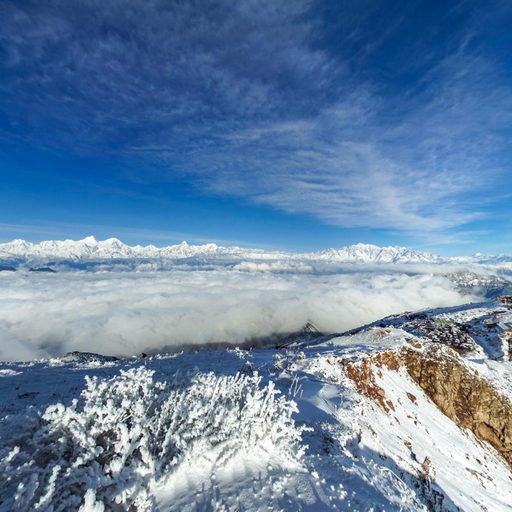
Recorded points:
(386, 418)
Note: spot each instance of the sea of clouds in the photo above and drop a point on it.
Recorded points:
(126, 313)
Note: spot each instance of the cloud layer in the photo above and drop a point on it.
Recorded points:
(126, 313)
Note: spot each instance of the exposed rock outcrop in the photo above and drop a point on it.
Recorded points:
(87, 357)
(441, 330)
(460, 393)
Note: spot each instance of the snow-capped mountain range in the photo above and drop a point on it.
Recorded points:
(368, 253)
(112, 248)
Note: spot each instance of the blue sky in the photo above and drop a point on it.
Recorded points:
(295, 125)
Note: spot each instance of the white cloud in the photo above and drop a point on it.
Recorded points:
(127, 313)
(245, 100)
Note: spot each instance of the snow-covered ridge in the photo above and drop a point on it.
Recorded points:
(343, 422)
(89, 248)
(368, 253)
(112, 248)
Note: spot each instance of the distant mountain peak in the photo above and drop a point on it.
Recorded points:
(369, 253)
(89, 248)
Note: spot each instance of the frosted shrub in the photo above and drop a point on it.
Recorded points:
(105, 450)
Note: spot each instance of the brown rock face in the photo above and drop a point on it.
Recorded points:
(462, 395)
(364, 379)
(466, 398)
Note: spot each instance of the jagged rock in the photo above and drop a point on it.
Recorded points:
(311, 328)
(308, 333)
(466, 398)
(84, 357)
(441, 331)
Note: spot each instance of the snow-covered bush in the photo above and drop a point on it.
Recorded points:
(106, 449)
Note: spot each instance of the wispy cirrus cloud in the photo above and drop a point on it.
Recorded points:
(252, 99)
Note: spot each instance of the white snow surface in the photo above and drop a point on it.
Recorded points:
(229, 430)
